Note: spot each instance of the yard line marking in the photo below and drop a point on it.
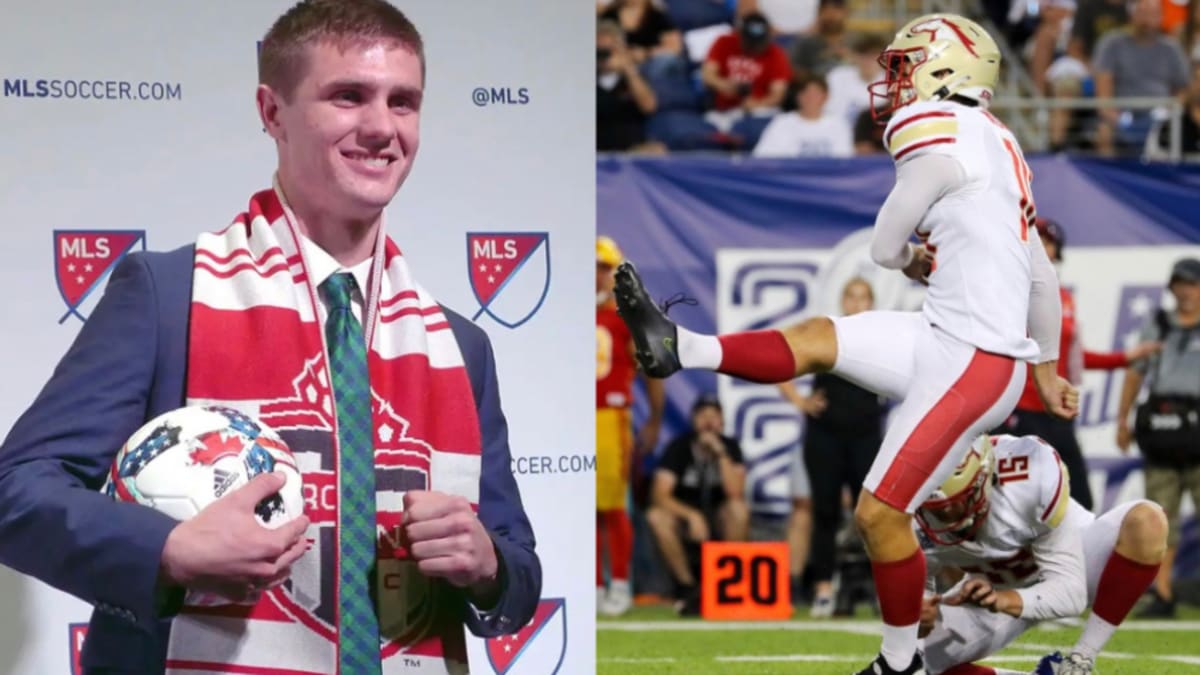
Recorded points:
(999, 658)
(863, 627)
(838, 658)
(790, 658)
(1050, 649)
(853, 626)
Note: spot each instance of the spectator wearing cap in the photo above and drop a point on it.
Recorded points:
(698, 495)
(1171, 451)
(1030, 418)
(746, 73)
(823, 47)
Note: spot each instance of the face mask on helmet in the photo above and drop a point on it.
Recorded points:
(952, 519)
(896, 89)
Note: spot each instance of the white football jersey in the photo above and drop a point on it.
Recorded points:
(1031, 497)
(980, 233)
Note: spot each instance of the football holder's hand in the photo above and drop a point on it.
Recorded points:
(980, 593)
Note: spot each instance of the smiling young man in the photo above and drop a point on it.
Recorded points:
(303, 292)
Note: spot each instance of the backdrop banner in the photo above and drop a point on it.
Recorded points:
(764, 243)
(132, 125)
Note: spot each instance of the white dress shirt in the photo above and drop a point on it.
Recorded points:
(321, 266)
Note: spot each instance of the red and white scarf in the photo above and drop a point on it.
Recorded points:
(256, 344)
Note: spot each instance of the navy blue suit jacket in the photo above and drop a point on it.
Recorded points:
(126, 366)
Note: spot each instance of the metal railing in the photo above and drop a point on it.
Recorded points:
(1164, 111)
(1028, 110)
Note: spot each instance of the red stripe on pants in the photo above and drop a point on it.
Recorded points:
(968, 399)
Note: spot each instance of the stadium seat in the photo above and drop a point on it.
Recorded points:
(690, 14)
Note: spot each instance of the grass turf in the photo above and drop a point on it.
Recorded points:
(652, 640)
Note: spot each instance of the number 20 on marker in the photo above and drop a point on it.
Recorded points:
(745, 581)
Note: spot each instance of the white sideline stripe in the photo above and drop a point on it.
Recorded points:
(850, 658)
(1047, 649)
(871, 627)
(837, 658)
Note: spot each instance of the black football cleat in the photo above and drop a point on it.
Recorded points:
(880, 667)
(655, 338)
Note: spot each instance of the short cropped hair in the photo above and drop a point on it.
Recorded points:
(282, 58)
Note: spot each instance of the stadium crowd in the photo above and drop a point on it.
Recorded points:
(789, 78)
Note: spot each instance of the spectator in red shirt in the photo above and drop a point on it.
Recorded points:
(746, 72)
(1030, 416)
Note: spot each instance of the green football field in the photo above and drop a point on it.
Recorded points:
(654, 640)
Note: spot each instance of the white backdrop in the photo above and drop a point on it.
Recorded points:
(162, 138)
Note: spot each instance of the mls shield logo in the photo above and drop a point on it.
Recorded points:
(76, 632)
(84, 258)
(510, 274)
(538, 648)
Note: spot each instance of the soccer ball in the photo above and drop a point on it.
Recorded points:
(185, 459)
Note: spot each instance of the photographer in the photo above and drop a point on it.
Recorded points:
(698, 495)
(1166, 426)
(623, 98)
